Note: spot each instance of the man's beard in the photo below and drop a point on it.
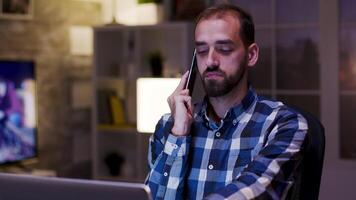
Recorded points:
(217, 88)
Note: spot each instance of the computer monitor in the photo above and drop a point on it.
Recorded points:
(27, 187)
(18, 120)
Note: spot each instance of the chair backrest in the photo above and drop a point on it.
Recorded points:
(308, 182)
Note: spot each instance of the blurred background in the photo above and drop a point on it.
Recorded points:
(88, 54)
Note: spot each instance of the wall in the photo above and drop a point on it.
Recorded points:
(45, 39)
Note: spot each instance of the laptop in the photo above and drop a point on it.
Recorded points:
(27, 187)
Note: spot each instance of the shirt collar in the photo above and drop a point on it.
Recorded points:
(234, 112)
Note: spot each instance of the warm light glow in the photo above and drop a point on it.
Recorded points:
(132, 13)
(152, 94)
(81, 40)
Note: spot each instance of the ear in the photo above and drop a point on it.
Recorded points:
(252, 52)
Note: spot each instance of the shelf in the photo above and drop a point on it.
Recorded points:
(120, 57)
(109, 79)
(130, 128)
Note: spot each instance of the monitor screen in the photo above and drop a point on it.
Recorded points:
(18, 121)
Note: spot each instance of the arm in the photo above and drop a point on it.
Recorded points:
(270, 173)
(167, 159)
(169, 146)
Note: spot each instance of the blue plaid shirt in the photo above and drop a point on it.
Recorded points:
(252, 153)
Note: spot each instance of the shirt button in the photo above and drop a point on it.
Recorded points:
(211, 166)
(234, 122)
(175, 146)
(217, 134)
(165, 174)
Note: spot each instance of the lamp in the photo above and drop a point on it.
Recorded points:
(152, 94)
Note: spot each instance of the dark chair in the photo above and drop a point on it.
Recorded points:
(307, 183)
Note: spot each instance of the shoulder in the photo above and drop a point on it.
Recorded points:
(279, 112)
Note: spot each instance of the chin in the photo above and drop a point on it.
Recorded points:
(215, 89)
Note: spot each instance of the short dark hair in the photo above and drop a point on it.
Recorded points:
(247, 30)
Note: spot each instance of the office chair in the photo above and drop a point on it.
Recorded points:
(307, 183)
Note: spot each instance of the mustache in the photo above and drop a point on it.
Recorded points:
(214, 69)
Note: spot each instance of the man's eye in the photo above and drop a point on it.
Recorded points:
(202, 50)
(224, 49)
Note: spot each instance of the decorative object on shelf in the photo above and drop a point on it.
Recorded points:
(16, 9)
(113, 10)
(156, 63)
(114, 69)
(114, 162)
(111, 109)
(117, 110)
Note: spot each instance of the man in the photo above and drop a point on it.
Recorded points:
(235, 144)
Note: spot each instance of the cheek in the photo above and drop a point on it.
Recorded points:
(233, 64)
(201, 65)
(230, 62)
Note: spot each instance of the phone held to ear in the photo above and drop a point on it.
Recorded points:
(192, 74)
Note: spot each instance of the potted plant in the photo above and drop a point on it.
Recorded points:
(156, 63)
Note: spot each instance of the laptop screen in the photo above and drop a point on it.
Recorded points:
(26, 187)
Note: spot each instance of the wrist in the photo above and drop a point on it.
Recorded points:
(179, 131)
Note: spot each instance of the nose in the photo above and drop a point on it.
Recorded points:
(213, 59)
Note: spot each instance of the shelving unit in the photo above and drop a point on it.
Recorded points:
(120, 57)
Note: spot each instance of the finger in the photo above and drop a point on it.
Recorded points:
(181, 103)
(171, 103)
(190, 107)
(184, 92)
(181, 99)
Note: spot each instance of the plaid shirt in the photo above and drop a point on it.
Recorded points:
(252, 153)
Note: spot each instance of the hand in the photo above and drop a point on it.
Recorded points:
(181, 107)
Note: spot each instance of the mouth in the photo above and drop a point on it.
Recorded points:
(213, 75)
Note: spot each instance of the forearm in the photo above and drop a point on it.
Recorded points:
(168, 170)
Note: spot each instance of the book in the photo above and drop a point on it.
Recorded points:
(117, 110)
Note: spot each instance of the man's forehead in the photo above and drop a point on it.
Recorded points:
(225, 16)
(217, 29)
(232, 22)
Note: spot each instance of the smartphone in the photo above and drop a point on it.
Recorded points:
(192, 75)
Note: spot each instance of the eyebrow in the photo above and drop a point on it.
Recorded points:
(227, 41)
(198, 43)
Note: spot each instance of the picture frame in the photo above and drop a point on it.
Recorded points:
(16, 9)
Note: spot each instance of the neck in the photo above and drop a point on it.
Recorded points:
(220, 105)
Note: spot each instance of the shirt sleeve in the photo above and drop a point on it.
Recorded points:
(270, 174)
(167, 158)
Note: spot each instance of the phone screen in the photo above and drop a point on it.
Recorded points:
(192, 74)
